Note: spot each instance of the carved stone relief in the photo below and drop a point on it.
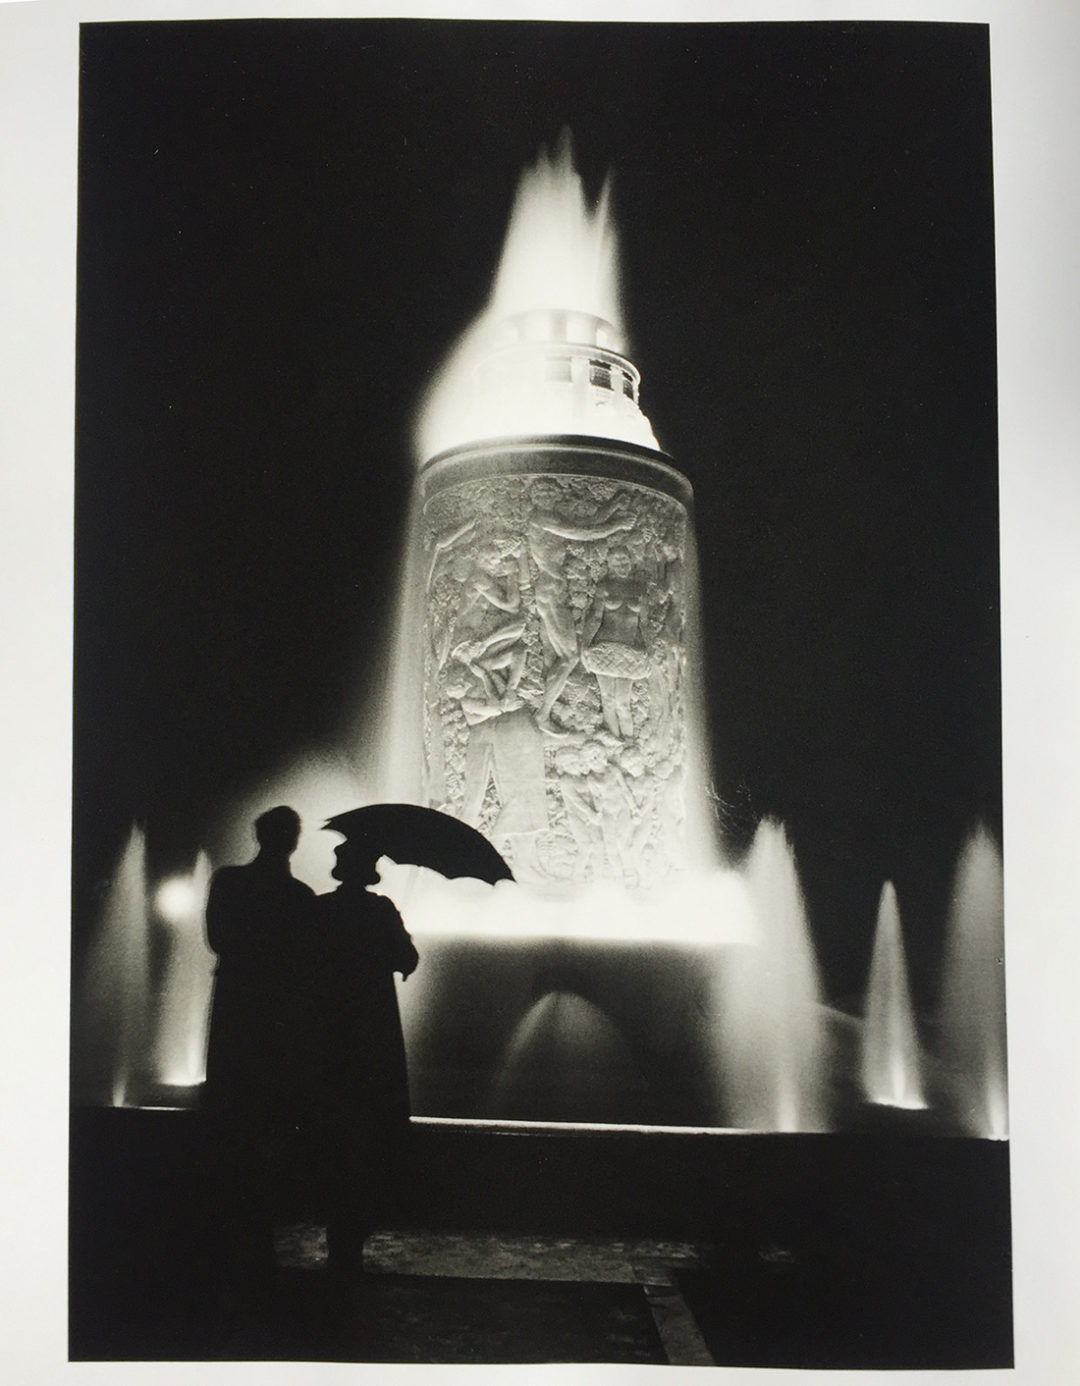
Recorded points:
(554, 658)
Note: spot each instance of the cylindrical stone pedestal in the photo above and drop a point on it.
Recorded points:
(555, 653)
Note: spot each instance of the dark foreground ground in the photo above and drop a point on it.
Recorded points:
(862, 1251)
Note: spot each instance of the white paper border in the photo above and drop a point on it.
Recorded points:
(1035, 53)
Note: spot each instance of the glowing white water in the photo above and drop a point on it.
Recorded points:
(890, 1067)
(568, 1053)
(972, 1017)
(558, 277)
(771, 1035)
(184, 1002)
(704, 908)
(559, 252)
(112, 1024)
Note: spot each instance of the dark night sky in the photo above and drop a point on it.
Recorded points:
(284, 225)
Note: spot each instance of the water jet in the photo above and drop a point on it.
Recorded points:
(890, 1068)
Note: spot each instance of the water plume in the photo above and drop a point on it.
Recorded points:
(111, 1024)
(771, 1037)
(972, 1014)
(568, 1061)
(552, 328)
(184, 1003)
(890, 1067)
(559, 251)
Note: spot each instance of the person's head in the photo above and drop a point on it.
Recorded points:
(354, 862)
(277, 831)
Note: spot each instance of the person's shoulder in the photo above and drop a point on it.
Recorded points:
(384, 908)
(328, 908)
(228, 875)
(348, 904)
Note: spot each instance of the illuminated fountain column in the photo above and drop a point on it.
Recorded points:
(549, 615)
(555, 629)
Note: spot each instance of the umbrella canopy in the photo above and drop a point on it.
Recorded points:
(415, 836)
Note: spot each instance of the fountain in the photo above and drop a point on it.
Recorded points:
(890, 1068)
(552, 607)
(544, 684)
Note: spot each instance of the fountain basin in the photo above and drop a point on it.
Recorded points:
(563, 1029)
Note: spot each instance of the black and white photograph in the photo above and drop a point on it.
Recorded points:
(537, 835)
(552, 838)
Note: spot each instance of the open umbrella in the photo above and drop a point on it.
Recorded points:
(415, 836)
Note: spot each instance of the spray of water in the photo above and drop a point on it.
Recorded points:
(567, 1061)
(770, 1022)
(972, 1018)
(890, 1068)
(557, 281)
(183, 1011)
(559, 251)
(696, 908)
(111, 1025)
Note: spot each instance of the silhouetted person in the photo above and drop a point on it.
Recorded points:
(357, 1120)
(258, 922)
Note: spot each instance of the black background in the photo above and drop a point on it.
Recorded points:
(283, 226)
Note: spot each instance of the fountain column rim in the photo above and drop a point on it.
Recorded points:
(573, 454)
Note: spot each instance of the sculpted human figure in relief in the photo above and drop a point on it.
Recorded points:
(489, 631)
(582, 817)
(547, 532)
(448, 567)
(616, 808)
(668, 655)
(613, 641)
(504, 749)
(644, 791)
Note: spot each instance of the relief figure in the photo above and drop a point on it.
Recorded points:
(448, 567)
(582, 817)
(644, 790)
(547, 533)
(668, 654)
(613, 641)
(483, 639)
(617, 809)
(504, 749)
